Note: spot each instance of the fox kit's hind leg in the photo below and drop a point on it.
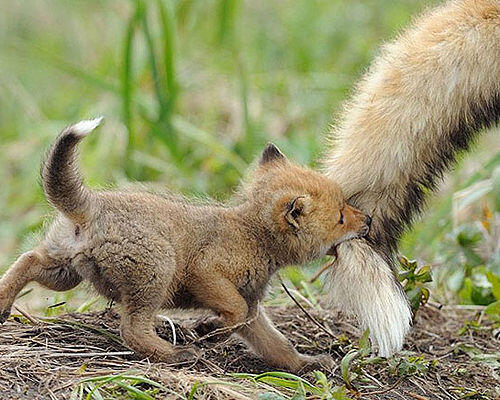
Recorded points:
(144, 292)
(275, 348)
(138, 332)
(34, 265)
(222, 297)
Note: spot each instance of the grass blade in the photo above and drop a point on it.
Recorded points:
(280, 379)
(345, 364)
(167, 19)
(137, 393)
(153, 64)
(51, 59)
(126, 80)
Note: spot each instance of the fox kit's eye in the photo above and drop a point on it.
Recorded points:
(341, 220)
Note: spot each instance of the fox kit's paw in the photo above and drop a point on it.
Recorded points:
(4, 315)
(207, 325)
(5, 306)
(322, 361)
(362, 283)
(212, 328)
(185, 355)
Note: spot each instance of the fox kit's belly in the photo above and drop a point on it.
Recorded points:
(118, 254)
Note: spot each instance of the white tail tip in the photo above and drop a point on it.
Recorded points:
(84, 127)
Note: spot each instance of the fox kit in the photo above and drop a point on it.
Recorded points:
(423, 101)
(150, 252)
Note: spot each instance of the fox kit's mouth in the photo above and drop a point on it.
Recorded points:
(361, 233)
(333, 250)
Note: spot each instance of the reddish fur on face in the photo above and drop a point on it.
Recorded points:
(318, 204)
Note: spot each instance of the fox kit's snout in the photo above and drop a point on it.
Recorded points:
(355, 221)
(150, 252)
(352, 224)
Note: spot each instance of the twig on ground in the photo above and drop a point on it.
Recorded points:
(99, 354)
(417, 396)
(172, 326)
(393, 386)
(313, 320)
(434, 304)
(26, 315)
(467, 307)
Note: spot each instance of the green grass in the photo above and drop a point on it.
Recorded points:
(191, 92)
(120, 386)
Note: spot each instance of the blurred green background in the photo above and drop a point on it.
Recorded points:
(191, 91)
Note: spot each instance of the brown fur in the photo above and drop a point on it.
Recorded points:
(150, 252)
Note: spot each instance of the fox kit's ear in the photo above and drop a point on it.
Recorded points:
(295, 208)
(271, 154)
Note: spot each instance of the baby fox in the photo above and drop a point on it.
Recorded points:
(150, 252)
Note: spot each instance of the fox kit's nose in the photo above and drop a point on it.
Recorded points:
(366, 227)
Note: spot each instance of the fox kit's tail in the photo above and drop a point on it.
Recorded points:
(423, 101)
(61, 179)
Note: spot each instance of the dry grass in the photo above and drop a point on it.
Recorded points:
(51, 358)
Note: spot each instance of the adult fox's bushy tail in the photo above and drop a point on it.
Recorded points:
(422, 102)
(61, 179)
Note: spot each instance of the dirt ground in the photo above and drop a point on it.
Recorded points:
(42, 359)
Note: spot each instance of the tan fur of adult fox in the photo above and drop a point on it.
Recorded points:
(425, 98)
(149, 252)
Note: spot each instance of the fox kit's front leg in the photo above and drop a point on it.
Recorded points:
(271, 345)
(222, 297)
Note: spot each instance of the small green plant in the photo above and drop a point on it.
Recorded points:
(299, 387)
(410, 365)
(352, 364)
(414, 281)
(493, 309)
(470, 325)
(471, 281)
(471, 249)
(471, 394)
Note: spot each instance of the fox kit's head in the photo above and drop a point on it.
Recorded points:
(305, 211)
